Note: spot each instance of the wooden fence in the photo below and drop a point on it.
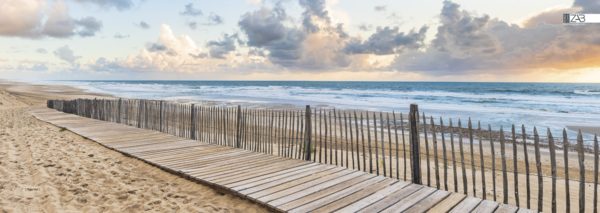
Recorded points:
(451, 156)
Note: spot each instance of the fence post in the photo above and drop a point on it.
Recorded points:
(160, 116)
(193, 122)
(307, 130)
(237, 126)
(414, 144)
(118, 111)
(139, 123)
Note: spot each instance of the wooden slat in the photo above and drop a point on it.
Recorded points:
(280, 183)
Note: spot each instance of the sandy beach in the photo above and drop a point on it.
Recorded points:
(47, 169)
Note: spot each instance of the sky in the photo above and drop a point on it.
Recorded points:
(377, 40)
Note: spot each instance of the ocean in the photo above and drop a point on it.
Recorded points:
(545, 105)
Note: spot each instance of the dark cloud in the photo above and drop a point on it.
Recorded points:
(88, 26)
(264, 28)
(143, 25)
(467, 43)
(588, 6)
(189, 10)
(66, 54)
(118, 4)
(219, 49)
(156, 47)
(380, 8)
(314, 8)
(214, 19)
(387, 41)
(365, 27)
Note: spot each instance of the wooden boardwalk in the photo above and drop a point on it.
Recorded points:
(278, 183)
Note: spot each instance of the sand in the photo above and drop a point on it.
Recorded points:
(48, 169)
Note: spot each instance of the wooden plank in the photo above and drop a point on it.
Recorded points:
(341, 202)
(307, 188)
(504, 208)
(281, 183)
(377, 181)
(426, 204)
(448, 203)
(324, 192)
(466, 205)
(392, 198)
(486, 206)
(407, 202)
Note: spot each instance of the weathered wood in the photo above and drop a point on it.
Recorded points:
(382, 145)
(435, 154)
(444, 157)
(473, 169)
(308, 132)
(566, 166)
(581, 159)
(454, 172)
(357, 141)
(526, 158)
(426, 150)
(396, 143)
(348, 143)
(504, 172)
(538, 166)
(280, 183)
(362, 140)
(403, 145)
(376, 144)
(462, 158)
(493, 161)
(552, 169)
(414, 145)
(387, 119)
(481, 162)
(596, 156)
(515, 165)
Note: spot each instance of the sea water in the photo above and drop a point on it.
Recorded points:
(545, 105)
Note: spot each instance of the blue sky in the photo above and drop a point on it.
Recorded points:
(298, 40)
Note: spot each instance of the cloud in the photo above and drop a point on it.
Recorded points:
(380, 8)
(192, 25)
(219, 49)
(314, 45)
(66, 54)
(468, 43)
(143, 25)
(387, 41)
(89, 26)
(120, 36)
(365, 27)
(315, 15)
(588, 6)
(20, 17)
(41, 51)
(118, 4)
(214, 19)
(189, 10)
(33, 19)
